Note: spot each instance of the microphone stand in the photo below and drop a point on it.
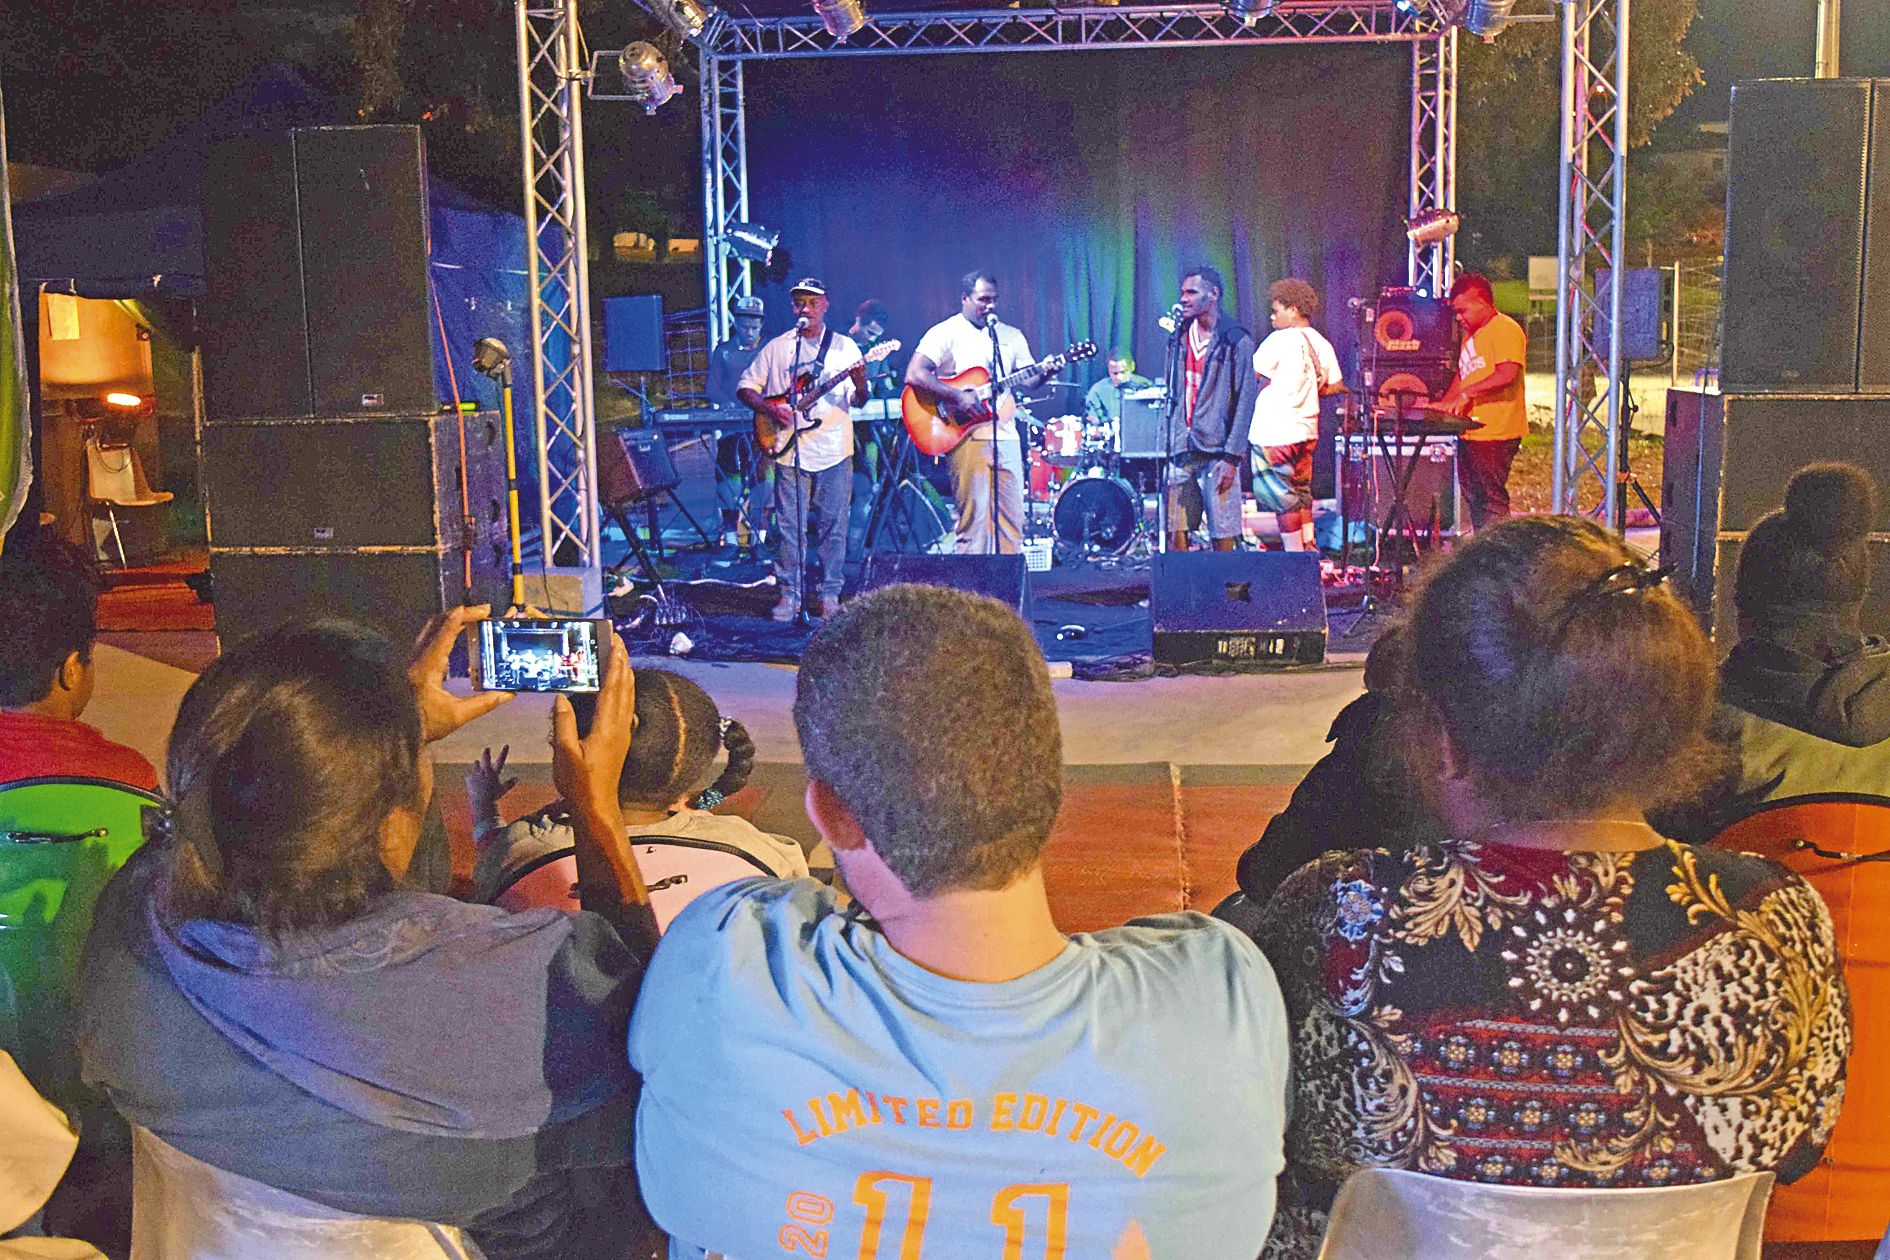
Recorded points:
(802, 491)
(1175, 384)
(997, 374)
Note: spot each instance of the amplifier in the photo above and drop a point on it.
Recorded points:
(1239, 608)
(1368, 481)
(1142, 420)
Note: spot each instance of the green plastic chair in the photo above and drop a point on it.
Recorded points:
(60, 840)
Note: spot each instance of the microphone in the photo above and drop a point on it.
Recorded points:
(1172, 320)
(800, 325)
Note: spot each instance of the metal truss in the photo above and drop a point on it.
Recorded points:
(724, 188)
(550, 79)
(1589, 401)
(1433, 156)
(1051, 29)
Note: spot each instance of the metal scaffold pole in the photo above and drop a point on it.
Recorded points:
(1589, 404)
(551, 75)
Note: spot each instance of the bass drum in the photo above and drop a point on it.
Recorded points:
(1097, 512)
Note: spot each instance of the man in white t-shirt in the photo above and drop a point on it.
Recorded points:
(1296, 367)
(986, 522)
(813, 483)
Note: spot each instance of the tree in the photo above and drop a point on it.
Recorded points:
(1509, 120)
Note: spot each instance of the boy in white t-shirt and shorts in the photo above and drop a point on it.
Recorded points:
(1296, 367)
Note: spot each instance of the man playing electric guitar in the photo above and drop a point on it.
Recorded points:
(987, 522)
(813, 448)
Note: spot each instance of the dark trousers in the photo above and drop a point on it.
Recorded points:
(1483, 476)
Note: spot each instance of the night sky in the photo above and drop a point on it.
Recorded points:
(1769, 39)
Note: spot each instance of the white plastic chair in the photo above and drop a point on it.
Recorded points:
(115, 479)
(1389, 1214)
(185, 1209)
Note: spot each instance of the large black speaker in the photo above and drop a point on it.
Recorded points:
(1806, 298)
(1240, 608)
(1000, 577)
(315, 248)
(1726, 460)
(360, 517)
(1407, 346)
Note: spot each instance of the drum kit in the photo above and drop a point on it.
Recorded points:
(1082, 483)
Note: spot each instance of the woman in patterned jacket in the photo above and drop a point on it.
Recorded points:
(1555, 996)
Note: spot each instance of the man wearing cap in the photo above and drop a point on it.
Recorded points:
(975, 338)
(813, 484)
(734, 451)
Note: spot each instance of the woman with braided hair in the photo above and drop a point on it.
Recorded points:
(679, 731)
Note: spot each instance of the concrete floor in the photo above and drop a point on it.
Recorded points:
(1257, 720)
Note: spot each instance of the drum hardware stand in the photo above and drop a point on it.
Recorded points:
(1626, 479)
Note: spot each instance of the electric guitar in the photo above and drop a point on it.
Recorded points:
(772, 435)
(936, 431)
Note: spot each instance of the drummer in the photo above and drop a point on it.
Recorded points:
(1104, 401)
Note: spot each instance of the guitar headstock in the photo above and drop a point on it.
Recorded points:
(1079, 350)
(882, 350)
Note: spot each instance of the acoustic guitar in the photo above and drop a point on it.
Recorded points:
(772, 435)
(936, 431)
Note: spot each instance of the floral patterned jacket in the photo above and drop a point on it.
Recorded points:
(1534, 1017)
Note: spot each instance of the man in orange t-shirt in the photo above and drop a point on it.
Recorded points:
(1489, 390)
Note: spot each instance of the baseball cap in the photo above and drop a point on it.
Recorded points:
(743, 304)
(807, 284)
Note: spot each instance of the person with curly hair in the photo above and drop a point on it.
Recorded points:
(1296, 367)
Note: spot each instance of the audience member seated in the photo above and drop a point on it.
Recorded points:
(938, 1066)
(49, 606)
(1359, 795)
(36, 1144)
(264, 994)
(1556, 996)
(679, 733)
(1806, 693)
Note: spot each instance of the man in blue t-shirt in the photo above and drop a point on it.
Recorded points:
(938, 1070)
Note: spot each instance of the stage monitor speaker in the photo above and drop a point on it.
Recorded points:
(315, 253)
(633, 334)
(1726, 460)
(1643, 300)
(1239, 608)
(1000, 577)
(1806, 295)
(633, 465)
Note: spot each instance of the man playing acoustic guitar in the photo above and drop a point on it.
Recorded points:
(813, 446)
(947, 349)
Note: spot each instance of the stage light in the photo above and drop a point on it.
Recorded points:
(646, 75)
(1432, 226)
(491, 358)
(685, 17)
(1250, 11)
(1407, 7)
(117, 399)
(840, 17)
(755, 243)
(1486, 18)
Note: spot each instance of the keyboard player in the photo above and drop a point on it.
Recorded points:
(737, 464)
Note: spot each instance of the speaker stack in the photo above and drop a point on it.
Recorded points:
(1805, 351)
(332, 481)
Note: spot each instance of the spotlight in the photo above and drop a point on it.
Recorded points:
(119, 399)
(1250, 11)
(646, 75)
(1486, 18)
(840, 17)
(1406, 7)
(685, 17)
(491, 358)
(755, 243)
(1432, 226)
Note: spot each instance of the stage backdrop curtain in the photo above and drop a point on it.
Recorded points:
(1085, 181)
